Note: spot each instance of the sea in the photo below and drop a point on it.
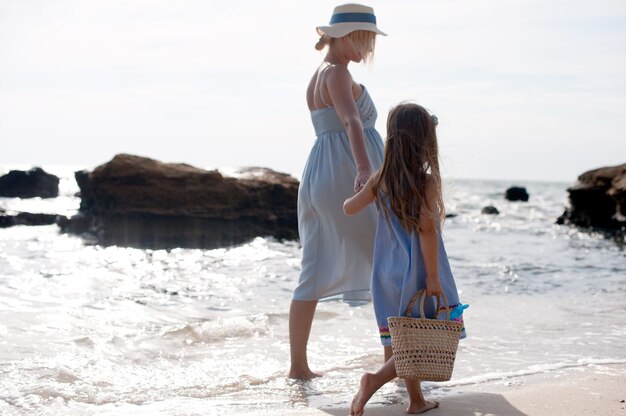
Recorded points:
(93, 330)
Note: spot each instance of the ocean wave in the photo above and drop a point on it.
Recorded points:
(220, 329)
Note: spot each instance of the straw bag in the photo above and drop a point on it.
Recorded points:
(424, 349)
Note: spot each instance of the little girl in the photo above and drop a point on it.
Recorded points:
(408, 249)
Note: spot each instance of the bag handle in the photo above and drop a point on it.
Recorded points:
(422, 295)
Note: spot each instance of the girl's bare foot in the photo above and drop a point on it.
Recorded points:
(366, 390)
(422, 407)
(303, 374)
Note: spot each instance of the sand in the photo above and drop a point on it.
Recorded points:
(587, 390)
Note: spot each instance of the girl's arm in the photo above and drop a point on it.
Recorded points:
(339, 85)
(429, 241)
(359, 201)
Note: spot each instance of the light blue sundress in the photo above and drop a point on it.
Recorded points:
(398, 273)
(336, 249)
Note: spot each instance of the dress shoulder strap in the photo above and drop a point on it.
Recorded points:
(321, 83)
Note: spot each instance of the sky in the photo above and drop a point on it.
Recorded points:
(523, 89)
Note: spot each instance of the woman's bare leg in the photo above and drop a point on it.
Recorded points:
(300, 320)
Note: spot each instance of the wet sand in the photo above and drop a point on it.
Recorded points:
(589, 390)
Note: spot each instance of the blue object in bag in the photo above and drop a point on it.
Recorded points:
(457, 311)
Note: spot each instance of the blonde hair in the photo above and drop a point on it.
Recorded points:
(411, 160)
(323, 42)
(364, 42)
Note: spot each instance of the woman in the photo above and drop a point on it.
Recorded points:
(336, 250)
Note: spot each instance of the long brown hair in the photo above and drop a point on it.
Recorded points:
(411, 160)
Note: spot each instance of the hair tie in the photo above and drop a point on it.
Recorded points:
(434, 119)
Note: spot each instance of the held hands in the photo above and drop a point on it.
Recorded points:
(361, 179)
(362, 197)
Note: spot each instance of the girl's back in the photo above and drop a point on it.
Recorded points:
(398, 270)
(409, 254)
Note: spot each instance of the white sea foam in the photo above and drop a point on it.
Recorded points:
(222, 329)
(531, 370)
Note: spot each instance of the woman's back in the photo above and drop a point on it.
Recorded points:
(336, 250)
(317, 93)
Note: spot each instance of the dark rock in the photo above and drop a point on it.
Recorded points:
(516, 193)
(78, 224)
(598, 200)
(29, 184)
(490, 210)
(87, 198)
(451, 215)
(141, 202)
(26, 218)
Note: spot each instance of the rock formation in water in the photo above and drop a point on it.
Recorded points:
(26, 218)
(29, 184)
(598, 200)
(140, 202)
(516, 193)
(490, 210)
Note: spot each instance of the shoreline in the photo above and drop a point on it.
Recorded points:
(575, 391)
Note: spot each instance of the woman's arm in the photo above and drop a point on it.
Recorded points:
(339, 85)
(429, 241)
(359, 201)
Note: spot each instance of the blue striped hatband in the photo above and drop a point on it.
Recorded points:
(353, 17)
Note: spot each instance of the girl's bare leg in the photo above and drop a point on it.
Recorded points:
(388, 353)
(417, 403)
(370, 383)
(300, 320)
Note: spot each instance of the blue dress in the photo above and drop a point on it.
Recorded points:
(336, 249)
(399, 272)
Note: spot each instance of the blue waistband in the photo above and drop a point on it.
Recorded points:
(352, 17)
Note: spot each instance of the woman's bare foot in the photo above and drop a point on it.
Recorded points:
(303, 374)
(367, 388)
(422, 407)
